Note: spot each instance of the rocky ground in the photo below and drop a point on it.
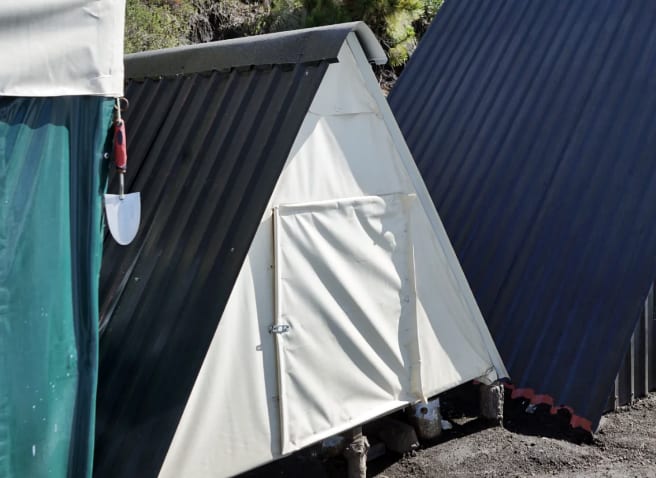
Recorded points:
(527, 445)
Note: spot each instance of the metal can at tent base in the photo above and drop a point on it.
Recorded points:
(426, 419)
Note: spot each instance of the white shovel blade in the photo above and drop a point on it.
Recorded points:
(123, 216)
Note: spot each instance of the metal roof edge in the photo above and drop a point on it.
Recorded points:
(370, 44)
(291, 47)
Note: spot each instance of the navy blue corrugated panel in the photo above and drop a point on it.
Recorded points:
(635, 377)
(205, 151)
(534, 126)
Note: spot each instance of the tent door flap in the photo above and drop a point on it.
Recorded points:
(345, 321)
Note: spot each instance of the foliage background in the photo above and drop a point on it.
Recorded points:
(153, 24)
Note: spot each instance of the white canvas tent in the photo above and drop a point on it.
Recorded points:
(350, 302)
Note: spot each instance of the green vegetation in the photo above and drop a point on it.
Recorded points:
(154, 24)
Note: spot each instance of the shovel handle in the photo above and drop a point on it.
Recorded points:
(120, 145)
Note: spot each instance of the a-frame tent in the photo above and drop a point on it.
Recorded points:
(291, 279)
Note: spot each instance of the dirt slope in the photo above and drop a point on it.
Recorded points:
(625, 446)
(528, 445)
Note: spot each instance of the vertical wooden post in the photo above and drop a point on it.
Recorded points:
(356, 453)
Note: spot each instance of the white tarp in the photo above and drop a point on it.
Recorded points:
(61, 47)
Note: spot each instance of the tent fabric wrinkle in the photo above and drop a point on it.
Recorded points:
(51, 183)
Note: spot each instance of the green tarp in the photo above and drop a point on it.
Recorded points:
(51, 183)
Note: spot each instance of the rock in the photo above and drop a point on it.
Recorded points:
(602, 423)
(398, 436)
(376, 450)
(333, 446)
(491, 402)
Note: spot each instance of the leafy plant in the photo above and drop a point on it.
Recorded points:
(151, 25)
(165, 23)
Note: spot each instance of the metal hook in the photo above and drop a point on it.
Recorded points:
(122, 104)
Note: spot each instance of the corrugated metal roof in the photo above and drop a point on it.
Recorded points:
(205, 150)
(298, 46)
(534, 127)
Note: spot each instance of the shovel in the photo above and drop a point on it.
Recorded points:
(123, 211)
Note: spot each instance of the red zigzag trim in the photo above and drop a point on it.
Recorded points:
(576, 421)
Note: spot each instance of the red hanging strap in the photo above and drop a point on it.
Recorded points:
(120, 139)
(120, 146)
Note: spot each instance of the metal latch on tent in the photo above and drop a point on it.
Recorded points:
(279, 329)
